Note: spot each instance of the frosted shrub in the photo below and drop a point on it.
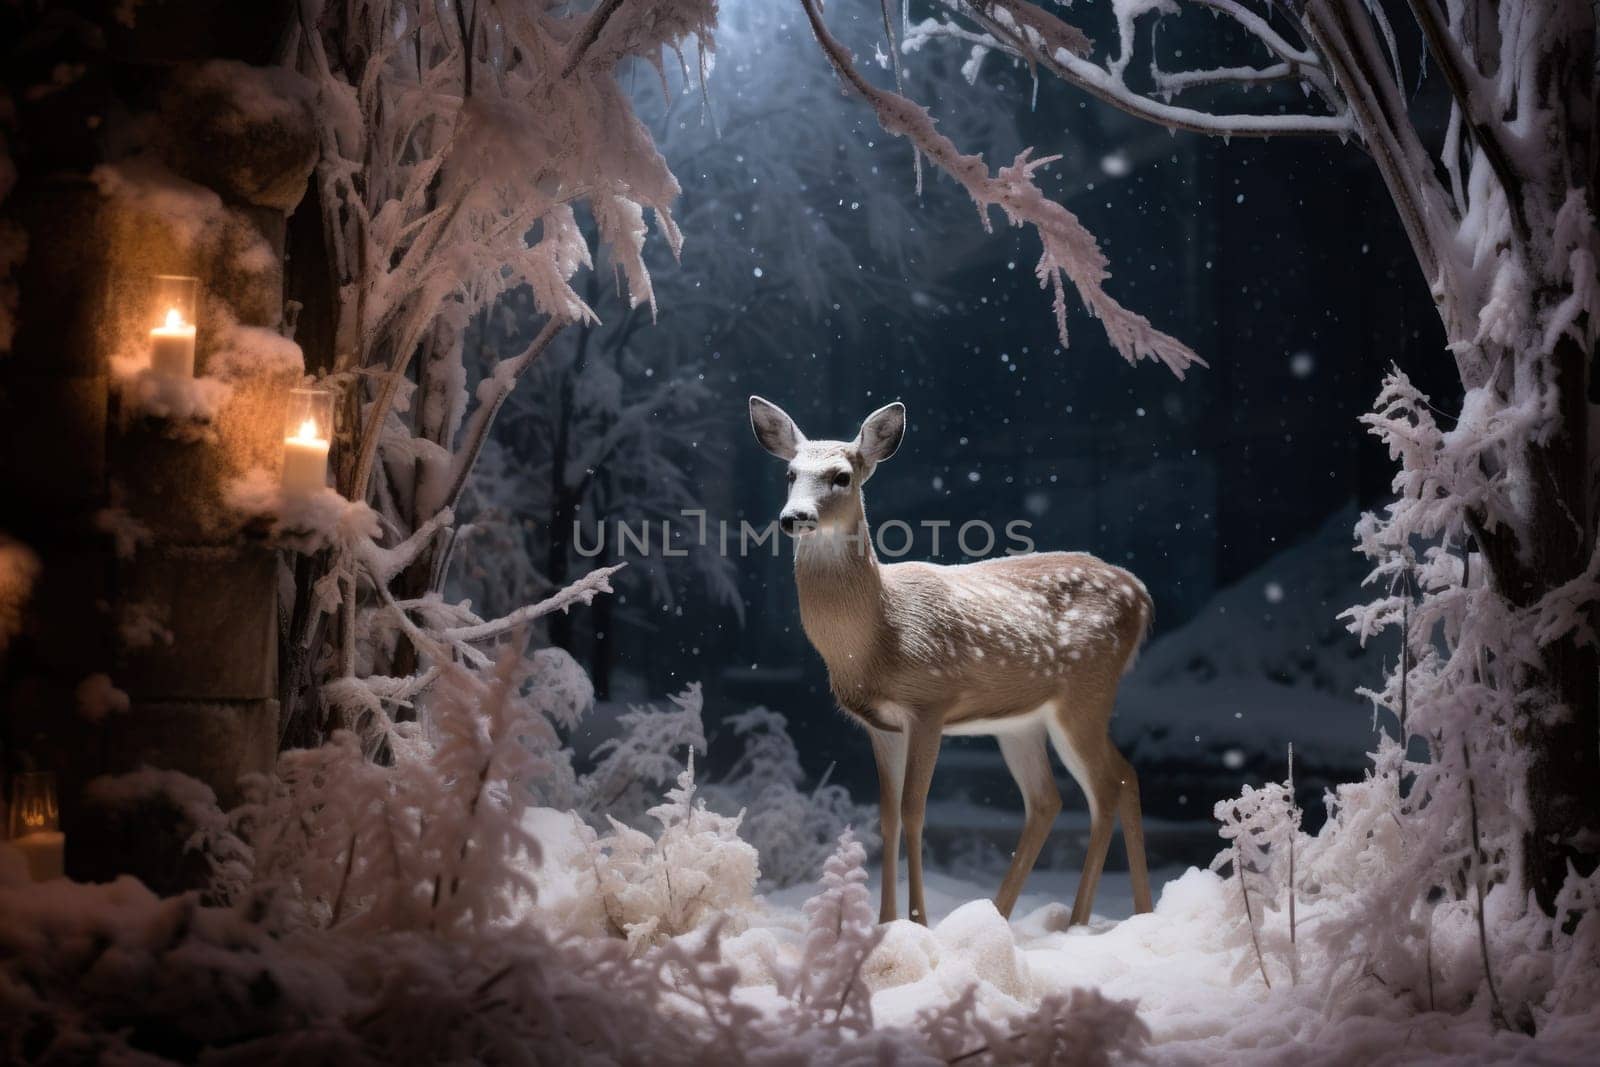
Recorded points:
(434, 837)
(633, 767)
(150, 809)
(791, 828)
(1261, 826)
(841, 932)
(1081, 1027)
(795, 830)
(697, 869)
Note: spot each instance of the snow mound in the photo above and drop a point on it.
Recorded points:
(98, 697)
(754, 954)
(177, 400)
(978, 941)
(908, 952)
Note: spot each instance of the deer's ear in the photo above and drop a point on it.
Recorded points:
(882, 433)
(775, 429)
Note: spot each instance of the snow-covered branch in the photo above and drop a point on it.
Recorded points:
(1020, 29)
(1473, 97)
(1185, 80)
(1070, 252)
(1103, 84)
(583, 591)
(493, 391)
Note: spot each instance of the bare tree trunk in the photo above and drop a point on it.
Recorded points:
(603, 653)
(564, 498)
(1562, 719)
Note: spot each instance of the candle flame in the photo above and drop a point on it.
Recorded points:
(174, 319)
(37, 811)
(308, 431)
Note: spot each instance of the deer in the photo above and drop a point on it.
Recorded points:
(1029, 649)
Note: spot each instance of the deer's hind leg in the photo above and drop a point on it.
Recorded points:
(1085, 747)
(1133, 836)
(1026, 751)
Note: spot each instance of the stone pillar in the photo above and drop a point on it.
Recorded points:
(145, 577)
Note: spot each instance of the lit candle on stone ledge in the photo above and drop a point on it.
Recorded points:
(307, 436)
(172, 338)
(35, 824)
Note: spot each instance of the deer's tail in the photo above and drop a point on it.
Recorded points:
(1146, 608)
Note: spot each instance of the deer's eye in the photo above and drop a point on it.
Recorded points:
(791, 477)
(841, 480)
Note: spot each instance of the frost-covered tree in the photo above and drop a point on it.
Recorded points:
(459, 141)
(1498, 209)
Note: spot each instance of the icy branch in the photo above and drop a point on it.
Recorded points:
(492, 394)
(583, 591)
(1070, 252)
(1013, 27)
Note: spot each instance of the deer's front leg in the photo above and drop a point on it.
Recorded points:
(922, 752)
(889, 751)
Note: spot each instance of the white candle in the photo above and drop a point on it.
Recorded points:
(172, 346)
(43, 852)
(305, 460)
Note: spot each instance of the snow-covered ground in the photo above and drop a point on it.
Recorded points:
(1048, 894)
(1191, 967)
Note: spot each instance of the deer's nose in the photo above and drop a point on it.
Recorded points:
(790, 521)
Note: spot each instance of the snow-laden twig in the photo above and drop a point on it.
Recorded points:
(492, 394)
(583, 591)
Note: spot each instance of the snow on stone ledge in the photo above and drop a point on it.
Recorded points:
(305, 522)
(186, 209)
(189, 405)
(250, 351)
